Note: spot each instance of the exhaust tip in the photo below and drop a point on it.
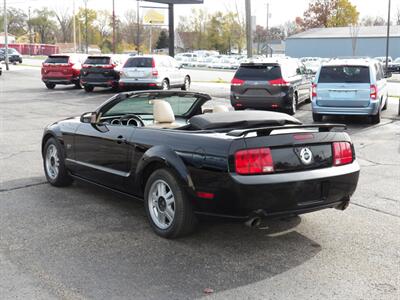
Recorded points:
(253, 222)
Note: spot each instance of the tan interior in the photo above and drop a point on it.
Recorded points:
(163, 115)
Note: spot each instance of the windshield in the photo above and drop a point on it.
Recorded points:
(57, 60)
(97, 60)
(139, 62)
(143, 105)
(261, 72)
(348, 74)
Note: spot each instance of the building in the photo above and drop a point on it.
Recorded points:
(338, 41)
(10, 38)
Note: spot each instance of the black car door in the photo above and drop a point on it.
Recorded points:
(102, 153)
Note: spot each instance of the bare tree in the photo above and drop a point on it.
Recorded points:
(65, 21)
(354, 30)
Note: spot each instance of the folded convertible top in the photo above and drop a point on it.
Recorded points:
(241, 120)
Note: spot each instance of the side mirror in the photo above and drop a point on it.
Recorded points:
(89, 117)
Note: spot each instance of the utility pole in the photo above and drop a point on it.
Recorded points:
(5, 36)
(113, 26)
(138, 27)
(29, 31)
(86, 28)
(267, 29)
(248, 29)
(73, 24)
(387, 37)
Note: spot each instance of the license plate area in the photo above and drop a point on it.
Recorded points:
(308, 193)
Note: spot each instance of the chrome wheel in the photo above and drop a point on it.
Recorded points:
(52, 162)
(187, 84)
(161, 202)
(165, 85)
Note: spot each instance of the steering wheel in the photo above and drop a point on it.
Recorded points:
(128, 117)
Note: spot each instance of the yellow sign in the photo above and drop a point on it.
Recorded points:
(153, 17)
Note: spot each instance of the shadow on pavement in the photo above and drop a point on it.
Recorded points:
(96, 244)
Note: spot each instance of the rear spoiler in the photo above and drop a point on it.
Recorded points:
(267, 130)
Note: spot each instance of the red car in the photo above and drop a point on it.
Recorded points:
(62, 69)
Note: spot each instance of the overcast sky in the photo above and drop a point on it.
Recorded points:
(280, 10)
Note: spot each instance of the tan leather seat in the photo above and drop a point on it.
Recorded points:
(163, 115)
(220, 108)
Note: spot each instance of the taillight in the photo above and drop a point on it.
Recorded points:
(154, 73)
(86, 66)
(112, 66)
(153, 63)
(278, 82)
(373, 92)
(237, 81)
(314, 90)
(254, 161)
(342, 153)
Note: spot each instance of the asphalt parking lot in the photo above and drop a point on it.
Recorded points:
(82, 242)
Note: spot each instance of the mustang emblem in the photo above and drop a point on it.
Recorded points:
(306, 156)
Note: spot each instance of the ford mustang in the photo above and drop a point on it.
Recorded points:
(184, 160)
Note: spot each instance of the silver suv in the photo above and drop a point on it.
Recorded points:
(350, 87)
(153, 72)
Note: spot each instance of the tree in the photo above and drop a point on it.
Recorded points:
(330, 13)
(44, 25)
(17, 21)
(65, 23)
(354, 29)
(344, 14)
(373, 21)
(260, 37)
(162, 42)
(398, 16)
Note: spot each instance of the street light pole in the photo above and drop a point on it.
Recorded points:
(248, 30)
(5, 36)
(138, 27)
(73, 24)
(387, 36)
(113, 25)
(86, 28)
(29, 31)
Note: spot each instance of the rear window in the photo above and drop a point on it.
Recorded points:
(262, 72)
(97, 61)
(348, 74)
(139, 62)
(57, 60)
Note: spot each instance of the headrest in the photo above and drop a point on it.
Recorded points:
(162, 112)
(220, 108)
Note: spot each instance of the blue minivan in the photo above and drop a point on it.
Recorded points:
(350, 87)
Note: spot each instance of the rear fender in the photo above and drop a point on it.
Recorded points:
(161, 156)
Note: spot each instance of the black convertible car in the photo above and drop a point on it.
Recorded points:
(158, 146)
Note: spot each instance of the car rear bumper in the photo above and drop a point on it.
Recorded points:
(371, 109)
(142, 84)
(283, 194)
(100, 83)
(61, 80)
(261, 102)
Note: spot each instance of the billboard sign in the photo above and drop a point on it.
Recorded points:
(153, 17)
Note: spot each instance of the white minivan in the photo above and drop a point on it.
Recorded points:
(153, 72)
(350, 87)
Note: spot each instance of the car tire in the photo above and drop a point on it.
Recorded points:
(186, 84)
(376, 119)
(168, 206)
(292, 110)
(88, 88)
(317, 117)
(50, 86)
(165, 85)
(78, 84)
(54, 164)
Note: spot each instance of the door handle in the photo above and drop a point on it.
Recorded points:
(120, 139)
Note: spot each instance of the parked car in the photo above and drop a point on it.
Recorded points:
(100, 71)
(394, 67)
(153, 72)
(272, 84)
(187, 59)
(158, 147)
(382, 59)
(1, 70)
(62, 69)
(350, 87)
(13, 55)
